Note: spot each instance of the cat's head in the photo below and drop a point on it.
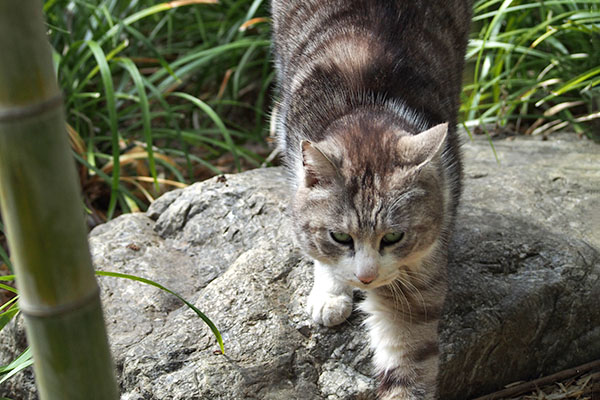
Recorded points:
(371, 199)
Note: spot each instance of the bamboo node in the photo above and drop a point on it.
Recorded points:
(30, 110)
(44, 311)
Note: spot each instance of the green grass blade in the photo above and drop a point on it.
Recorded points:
(3, 254)
(112, 113)
(217, 120)
(22, 362)
(571, 84)
(138, 35)
(131, 19)
(494, 24)
(9, 303)
(252, 9)
(184, 64)
(208, 322)
(7, 316)
(240, 69)
(8, 288)
(143, 102)
(108, 57)
(197, 159)
(107, 178)
(6, 259)
(172, 121)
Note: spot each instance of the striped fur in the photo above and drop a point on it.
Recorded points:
(366, 126)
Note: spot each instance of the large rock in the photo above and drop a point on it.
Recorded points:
(523, 300)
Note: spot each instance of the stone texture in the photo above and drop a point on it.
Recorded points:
(524, 286)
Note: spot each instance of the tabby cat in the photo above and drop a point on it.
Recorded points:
(369, 94)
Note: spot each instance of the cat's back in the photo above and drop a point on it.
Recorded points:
(407, 50)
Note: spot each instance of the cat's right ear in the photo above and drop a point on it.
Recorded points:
(318, 169)
(421, 148)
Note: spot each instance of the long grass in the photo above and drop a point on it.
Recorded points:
(535, 66)
(156, 93)
(161, 95)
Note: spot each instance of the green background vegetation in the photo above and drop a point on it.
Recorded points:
(161, 95)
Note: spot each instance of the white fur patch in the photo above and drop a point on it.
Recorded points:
(392, 339)
(384, 331)
(330, 300)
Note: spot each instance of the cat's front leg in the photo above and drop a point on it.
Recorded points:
(405, 341)
(330, 301)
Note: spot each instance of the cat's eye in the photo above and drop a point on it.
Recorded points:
(341, 237)
(391, 238)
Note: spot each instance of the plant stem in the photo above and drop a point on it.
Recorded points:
(42, 211)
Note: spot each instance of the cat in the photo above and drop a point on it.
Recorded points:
(365, 122)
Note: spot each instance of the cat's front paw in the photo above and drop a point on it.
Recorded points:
(329, 309)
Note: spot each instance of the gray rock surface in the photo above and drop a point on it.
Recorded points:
(525, 284)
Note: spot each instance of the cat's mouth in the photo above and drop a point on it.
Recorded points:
(376, 283)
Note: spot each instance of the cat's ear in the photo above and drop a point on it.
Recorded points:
(317, 167)
(419, 149)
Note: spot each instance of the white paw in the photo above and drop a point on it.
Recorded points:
(329, 309)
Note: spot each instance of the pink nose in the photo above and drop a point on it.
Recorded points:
(366, 279)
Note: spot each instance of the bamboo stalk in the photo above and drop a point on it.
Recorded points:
(43, 213)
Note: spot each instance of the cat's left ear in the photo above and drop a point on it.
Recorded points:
(318, 168)
(419, 149)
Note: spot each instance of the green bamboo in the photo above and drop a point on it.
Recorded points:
(42, 211)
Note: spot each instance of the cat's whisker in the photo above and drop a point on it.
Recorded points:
(420, 277)
(413, 289)
(396, 288)
(395, 298)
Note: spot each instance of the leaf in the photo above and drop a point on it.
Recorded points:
(217, 120)
(9, 288)
(211, 325)
(7, 316)
(22, 362)
(139, 84)
(109, 92)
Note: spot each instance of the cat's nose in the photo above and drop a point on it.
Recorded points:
(366, 279)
